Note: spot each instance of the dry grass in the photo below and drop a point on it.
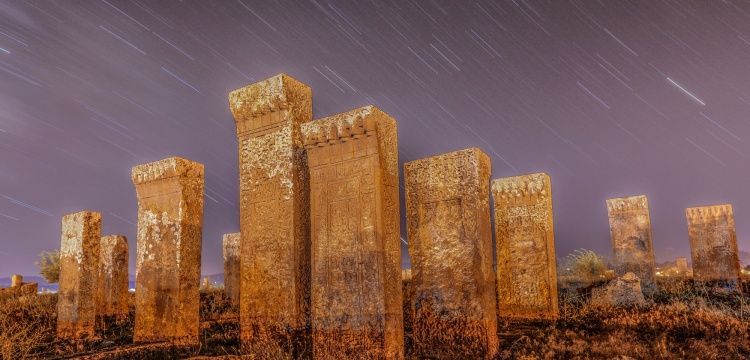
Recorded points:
(25, 325)
(682, 320)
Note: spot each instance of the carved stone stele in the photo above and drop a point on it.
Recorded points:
(79, 271)
(632, 246)
(231, 250)
(450, 243)
(274, 216)
(168, 256)
(713, 243)
(112, 290)
(681, 265)
(356, 252)
(526, 264)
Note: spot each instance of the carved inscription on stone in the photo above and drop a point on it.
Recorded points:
(450, 243)
(79, 271)
(231, 250)
(713, 243)
(168, 256)
(112, 291)
(274, 215)
(526, 265)
(356, 252)
(630, 229)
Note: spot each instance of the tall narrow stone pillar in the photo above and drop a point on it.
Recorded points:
(112, 290)
(356, 271)
(168, 255)
(231, 250)
(632, 246)
(526, 265)
(274, 216)
(79, 271)
(450, 243)
(713, 243)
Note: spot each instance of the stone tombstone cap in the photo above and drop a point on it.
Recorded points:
(166, 168)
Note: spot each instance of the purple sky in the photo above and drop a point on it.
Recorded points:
(611, 98)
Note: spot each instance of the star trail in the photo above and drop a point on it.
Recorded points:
(611, 98)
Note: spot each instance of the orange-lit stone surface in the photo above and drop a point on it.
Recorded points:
(450, 243)
(231, 251)
(356, 252)
(681, 264)
(632, 246)
(526, 265)
(79, 271)
(168, 255)
(713, 243)
(16, 280)
(112, 291)
(274, 215)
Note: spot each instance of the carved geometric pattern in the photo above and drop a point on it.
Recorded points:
(632, 246)
(274, 216)
(356, 269)
(713, 243)
(450, 243)
(168, 254)
(526, 264)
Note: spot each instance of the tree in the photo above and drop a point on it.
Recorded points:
(49, 265)
(586, 265)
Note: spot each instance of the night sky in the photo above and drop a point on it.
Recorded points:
(611, 98)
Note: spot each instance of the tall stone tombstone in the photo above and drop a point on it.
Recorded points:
(450, 243)
(274, 216)
(681, 264)
(112, 290)
(231, 250)
(524, 232)
(168, 255)
(713, 243)
(356, 252)
(632, 246)
(79, 271)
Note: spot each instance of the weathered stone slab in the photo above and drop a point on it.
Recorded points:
(16, 280)
(168, 255)
(274, 215)
(79, 271)
(356, 252)
(713, 243)
(632, 246)
(623, 291)
(526, 263)
(231, 250)
(450, 243)
(112, 291)
(681, 265)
